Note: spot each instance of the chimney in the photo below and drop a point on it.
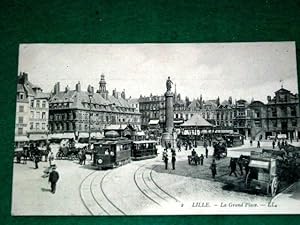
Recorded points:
(123, 94)
(114, 93)
(57, 88)
(269, 98)
(230, 100)
(67, 89)
(78, 87)
(25, 77)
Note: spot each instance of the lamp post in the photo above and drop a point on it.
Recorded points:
(89, 142)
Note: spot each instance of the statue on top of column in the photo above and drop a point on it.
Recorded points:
(169, 84)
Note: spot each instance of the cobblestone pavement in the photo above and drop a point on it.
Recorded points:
(139, 188)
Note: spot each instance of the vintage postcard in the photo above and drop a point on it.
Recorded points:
(157, 129)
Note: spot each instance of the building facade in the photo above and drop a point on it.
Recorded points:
(280, 115)
(241, 118)
(78, 112)
(152, 108)
(31, 111)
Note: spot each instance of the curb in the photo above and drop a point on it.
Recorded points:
(281, 193)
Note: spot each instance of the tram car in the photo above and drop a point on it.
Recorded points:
(113, 151)
(143, 149)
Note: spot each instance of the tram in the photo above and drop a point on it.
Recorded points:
(113, 151)
(143, 149)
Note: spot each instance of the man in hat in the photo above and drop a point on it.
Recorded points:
(53, 178)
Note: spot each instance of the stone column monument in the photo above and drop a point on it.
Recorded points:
(168, 137)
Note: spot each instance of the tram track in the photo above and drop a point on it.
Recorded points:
(81, 193)
(143, 178)
(94, 198)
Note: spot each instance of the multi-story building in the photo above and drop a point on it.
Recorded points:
(32, 111)
(39, 114)
(152, 108)
(79, 112)
(280, 115)
(241, 117)
(134, 103)
(224, 115)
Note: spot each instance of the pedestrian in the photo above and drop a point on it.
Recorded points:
(232, 166)
(273, 144)
(193, 152)
(251, 142)
(201, 159)
(282, 144)
(206, 152)
(53, 178)
(164, 154)
(240, 164)
(213, 168)
(83, 155)
(258, 144)
(173, 159)
(36, 160)
(179, 146)
(278, 145)
(166, 160)
(80, 156)
(50, 158)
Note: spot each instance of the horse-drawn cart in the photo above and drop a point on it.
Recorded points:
(193, 159)
(270, 171)
(67, 150)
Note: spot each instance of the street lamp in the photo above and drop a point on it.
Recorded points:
(89, 141)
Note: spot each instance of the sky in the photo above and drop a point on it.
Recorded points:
(241, 70)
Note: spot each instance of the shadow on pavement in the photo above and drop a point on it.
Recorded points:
(46, 189)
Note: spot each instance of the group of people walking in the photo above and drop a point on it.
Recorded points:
(280, 145)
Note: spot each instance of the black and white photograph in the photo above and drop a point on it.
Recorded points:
(156, 129)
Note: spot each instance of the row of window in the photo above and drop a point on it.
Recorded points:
(85, 116)
(153, 106)
(38, 104)
(37, 126)
(38, 115)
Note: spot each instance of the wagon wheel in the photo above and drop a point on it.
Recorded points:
(247, 181)
(274, 186)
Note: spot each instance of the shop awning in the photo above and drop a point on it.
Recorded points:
(140, 133)
(97, 135)
(63, 136)
(38, 137)
(259, 164)
(153, 122)
(21, 138)
(224, 131)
